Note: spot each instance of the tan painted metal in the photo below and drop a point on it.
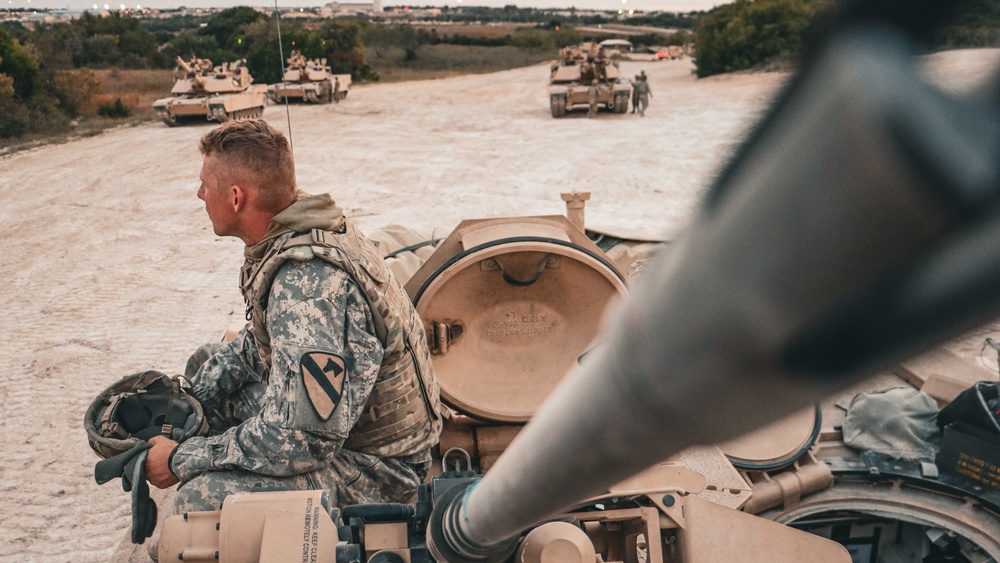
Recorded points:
(576, 203)
(661, 478)
(556, 542)
(279, 526)
(191, 538)
(510, 305)
(676, 526)
(219, 93)
(713, 533)
(571, 77)
(309, 80)
(380, 537)
(787, 487)
(775, 442)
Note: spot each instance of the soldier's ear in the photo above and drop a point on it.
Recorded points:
(237, 195)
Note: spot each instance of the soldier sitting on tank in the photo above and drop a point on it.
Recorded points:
(601, 64)
(296, 59)
(307, 395)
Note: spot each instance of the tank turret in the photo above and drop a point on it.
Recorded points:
(309, 80)
(217, 93)
(571, 76)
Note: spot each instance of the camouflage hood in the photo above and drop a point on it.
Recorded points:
(306, 213)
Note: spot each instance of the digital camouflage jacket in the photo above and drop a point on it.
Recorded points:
(321, 366)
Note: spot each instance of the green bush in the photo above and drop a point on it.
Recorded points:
(114, 110)
(749, 33)
(74, 88)
(14, 120)
(532, 39)
(115, 40)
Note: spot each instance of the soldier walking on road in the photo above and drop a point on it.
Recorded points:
(635, 93)
(643, 93)
(592, 98)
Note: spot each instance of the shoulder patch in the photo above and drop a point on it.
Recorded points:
(323, 377)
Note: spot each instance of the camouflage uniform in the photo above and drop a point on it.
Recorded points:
(601, 64)
(635, 93)
(592, 93)
(642, 93)
(264, 433)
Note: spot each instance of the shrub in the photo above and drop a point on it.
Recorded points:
(115, 110)
(749, 33)
(532, 39)
(14, 120)
(74, 88)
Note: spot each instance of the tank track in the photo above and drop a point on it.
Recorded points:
(222, 116)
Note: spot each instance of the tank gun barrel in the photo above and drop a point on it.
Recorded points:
(858, 224)
(183, 65)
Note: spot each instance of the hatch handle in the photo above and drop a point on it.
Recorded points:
(548, 261)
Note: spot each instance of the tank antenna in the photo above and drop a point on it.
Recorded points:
(281, 62)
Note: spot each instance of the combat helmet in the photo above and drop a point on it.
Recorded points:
(140, 406)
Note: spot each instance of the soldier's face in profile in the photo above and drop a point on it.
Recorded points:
(217, 198)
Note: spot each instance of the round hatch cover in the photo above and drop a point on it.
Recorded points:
(506, 319)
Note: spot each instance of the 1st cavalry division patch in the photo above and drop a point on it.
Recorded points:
(323, 376)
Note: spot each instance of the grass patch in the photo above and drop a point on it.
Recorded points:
(489, 30)
(137, 89)
(443, 61)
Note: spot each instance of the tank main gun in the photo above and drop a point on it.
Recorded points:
(857, 225)
(192, 71)
(183, 65)
(218, 93)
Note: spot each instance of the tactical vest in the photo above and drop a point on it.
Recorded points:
(402, 416)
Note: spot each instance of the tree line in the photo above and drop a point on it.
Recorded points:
(45, 76)
(750, 34)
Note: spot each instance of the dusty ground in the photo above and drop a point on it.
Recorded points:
(111, 266)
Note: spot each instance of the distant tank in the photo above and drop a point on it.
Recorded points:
(218, 93)
(311, 81)
(570, 80)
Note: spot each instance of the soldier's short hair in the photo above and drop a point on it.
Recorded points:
(256, 155)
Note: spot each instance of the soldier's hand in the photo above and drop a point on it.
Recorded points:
(158, 462)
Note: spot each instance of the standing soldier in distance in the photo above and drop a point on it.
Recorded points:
(308, 394)
(592, 98)
(635, 93)
(643, 93)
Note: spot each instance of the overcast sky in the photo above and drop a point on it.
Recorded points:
(669, 5)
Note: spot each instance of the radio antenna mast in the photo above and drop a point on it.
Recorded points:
(281, 61)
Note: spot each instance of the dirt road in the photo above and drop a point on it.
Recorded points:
(111, 266)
